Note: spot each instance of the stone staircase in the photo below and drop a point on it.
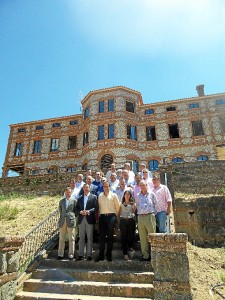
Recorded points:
(65, 279)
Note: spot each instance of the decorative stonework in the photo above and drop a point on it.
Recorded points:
(187, 146)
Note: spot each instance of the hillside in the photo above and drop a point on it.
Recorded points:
(207, 265)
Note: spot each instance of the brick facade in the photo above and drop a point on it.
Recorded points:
(71, 143)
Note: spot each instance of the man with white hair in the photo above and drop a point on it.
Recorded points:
(114, 182)
(78, 186)
(113, 170)
(130, 172)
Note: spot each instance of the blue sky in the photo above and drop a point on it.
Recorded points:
(52, 51)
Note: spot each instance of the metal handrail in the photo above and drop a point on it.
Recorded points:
(37, 239)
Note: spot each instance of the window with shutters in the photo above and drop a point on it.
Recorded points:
(149, 111)
(150, 133)
(202, 158)
(111, 105)
(220, 102)
(153, 165)
(197, 128)
(37, 147)
(18, 149)
(132, 132)
(177, 160)
(101, 107)
(86, 112)
(54, 145)
(193, 105)
(101, 132)
(111, 131)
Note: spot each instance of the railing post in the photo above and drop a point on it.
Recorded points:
(171, 266)
(9, 265)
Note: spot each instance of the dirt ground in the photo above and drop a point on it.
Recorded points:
(207, 265)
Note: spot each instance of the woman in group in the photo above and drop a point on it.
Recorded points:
(127, 224)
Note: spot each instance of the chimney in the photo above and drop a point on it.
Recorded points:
(200, 90)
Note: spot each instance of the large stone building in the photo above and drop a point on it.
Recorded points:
(117, 126)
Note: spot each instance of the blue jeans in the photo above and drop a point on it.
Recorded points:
(161, 221)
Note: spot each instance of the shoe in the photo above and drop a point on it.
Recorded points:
(98, 259)
(131, 253)
(60, 257)
(109, 258)
(81, 258)
(70, 257)
(126, 257)
(89, 258)
(145, 259)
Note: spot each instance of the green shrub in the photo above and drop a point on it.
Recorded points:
(223, 190)
(8, 213)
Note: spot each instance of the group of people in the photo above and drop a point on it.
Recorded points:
(119, 198)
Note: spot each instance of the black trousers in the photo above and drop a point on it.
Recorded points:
(127, 229)
(107, 224)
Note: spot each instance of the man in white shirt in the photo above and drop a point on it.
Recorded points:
(113, 170)
(130, 172)
(114, 182)
(78, 186)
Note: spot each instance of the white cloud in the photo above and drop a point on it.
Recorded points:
(151, 26)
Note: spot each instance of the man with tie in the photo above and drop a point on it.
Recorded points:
(67, 223)
(86, 207)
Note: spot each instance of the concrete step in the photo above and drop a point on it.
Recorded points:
(116, 245)
(90, 287)
(117, 253)
(116, 264)
(69, 275)
(52, 296)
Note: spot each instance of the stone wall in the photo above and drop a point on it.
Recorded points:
(9, 266)
(201, 177)
(53, 184)
(202, 218)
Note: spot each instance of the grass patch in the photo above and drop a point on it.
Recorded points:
(8, 213)
(222, 277)
(16, 196)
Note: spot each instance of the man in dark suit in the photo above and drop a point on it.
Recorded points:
(67, 223)
(93, 188)
(86, 207)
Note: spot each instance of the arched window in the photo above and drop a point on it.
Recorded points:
(177, 160)
(153, 165)
(106, 162)
(84, 167)
(202, 158)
